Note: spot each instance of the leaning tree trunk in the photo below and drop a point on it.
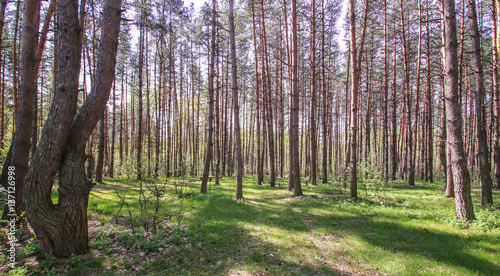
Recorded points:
(62, 227)
(461, 177)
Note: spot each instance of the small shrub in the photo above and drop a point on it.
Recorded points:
(487, 219)
(74, 261)
(152, 245)
(180, 236)
(96, 262)
(49, 263)
(30, 249)
(19, 271)
(128, 239)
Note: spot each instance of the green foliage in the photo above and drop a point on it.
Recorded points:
(48, 263)
(74, 260)
(18, 271)
(96, 262)
(182, 236)
(487, 218)
(153, 245)
(32, 248)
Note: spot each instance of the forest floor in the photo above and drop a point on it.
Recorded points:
(393, 229)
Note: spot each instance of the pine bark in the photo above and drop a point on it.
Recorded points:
(461, 177)
(21, 141)
(62, 228)
(482, 137)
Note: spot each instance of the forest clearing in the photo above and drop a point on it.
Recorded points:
(396, 230)
(252, 137)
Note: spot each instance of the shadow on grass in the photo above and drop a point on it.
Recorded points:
(224, 225)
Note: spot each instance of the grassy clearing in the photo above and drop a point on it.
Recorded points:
(393, 230)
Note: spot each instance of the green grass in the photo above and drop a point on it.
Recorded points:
(393, 229)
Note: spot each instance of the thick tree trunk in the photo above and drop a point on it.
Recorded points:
(21, 141)
(62, 228)
(482, 137)
(461, 177)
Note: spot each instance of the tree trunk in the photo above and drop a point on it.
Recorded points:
(62, 228)
(113, 134)
(270, 129)
(20, 145)
(260, 173)
(385, 138)
(496, 89)
(482, 137)
(294, 108)
(211, 76)
(312, 106)
(354, 103)
(3, 5)
(234, 80)
(139, 96)
(430, 127)
(100, 152)
(461, 177)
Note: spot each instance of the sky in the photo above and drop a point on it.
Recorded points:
(197, 3)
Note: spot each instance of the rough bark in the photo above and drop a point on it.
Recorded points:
(461, 177)
(21, 141)
(62, 227)
(482, 136)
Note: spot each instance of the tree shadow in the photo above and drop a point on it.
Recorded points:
(224, 226)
